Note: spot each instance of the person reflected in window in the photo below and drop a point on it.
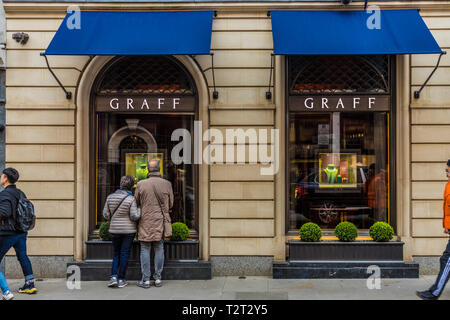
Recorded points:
(376, 188)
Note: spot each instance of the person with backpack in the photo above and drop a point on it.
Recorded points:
(16, 219)
(122, 212)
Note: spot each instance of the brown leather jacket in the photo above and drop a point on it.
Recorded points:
(151, 224)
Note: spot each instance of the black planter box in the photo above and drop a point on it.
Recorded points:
(344, 260)
(345, 251)
(187, 250)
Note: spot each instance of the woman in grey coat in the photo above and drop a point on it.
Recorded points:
(122, 212)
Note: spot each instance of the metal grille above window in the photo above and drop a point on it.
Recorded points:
(145, 75)
(339, 74)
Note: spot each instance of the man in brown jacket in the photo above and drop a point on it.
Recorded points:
(154, 196)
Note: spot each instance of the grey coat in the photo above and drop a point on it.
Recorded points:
(124, 219)
(151, 225)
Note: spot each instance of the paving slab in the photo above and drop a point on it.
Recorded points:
(233, 288)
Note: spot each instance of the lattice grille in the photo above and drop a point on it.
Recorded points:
(338, 74)
(146, 75)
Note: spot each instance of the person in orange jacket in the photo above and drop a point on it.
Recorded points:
(444, 274)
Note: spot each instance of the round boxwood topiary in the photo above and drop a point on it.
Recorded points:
(346, 231)
(180, 231)
(381, 231)
(310, 232)
(103, 231)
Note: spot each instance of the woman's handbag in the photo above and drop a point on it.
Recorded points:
(167, 224)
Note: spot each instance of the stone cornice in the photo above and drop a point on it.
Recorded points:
(59, 7)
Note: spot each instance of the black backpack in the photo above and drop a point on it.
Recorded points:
(25, 217)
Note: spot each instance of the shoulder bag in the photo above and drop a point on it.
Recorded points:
(117, 208)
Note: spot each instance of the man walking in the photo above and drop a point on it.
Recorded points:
(154, 196)
(9, 236)
(444, 274)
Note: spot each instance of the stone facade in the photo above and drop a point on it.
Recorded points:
(241, 212)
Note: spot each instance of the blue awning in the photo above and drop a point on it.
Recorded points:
(133, 33)
(347, 32)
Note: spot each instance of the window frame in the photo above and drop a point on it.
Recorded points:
(391, 149)
(93, 138)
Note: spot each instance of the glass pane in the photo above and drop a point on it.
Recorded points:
(125, 143)
(338, 169)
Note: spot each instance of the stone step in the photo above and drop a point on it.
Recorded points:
(343, 269)
(173, 270)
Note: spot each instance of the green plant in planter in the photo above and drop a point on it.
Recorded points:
(310, 232)
(180, 231)
(346, 231)
(381, 231)
(103, 231)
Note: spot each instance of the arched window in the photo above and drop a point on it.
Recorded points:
(339, 74)
(339, 160)
(137, 103)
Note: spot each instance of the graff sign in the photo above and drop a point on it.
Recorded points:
(144, 104)
(339, 103)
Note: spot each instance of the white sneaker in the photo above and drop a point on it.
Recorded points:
(8, 296)
(158, 283)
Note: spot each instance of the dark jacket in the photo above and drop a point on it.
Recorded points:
(8, 204)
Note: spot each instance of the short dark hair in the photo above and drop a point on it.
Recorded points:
(12, 175)
(126, 182)
(448, 162)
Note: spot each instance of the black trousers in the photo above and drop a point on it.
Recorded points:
(444, 273)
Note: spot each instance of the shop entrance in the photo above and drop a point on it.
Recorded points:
(138, 102)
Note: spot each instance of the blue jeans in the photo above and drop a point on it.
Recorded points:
(122, 245)
(158, 246)
(3, 284)
(19, 243)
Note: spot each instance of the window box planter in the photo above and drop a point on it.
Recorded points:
(345, 251)
(188, 250)
(344, 260)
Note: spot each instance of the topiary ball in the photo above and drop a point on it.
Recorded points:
(103, 231)
(346, 231)
(310, 232)
(180, 231)
(381, 232)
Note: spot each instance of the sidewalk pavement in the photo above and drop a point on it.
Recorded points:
(231, 288)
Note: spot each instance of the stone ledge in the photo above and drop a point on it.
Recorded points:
(43, 266)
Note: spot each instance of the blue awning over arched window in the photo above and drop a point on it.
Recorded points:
(351, 32)
(133, 33)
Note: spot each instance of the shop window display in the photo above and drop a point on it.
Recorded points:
(137, 103)
(342, 177)
(339, 116)
(126, 144)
